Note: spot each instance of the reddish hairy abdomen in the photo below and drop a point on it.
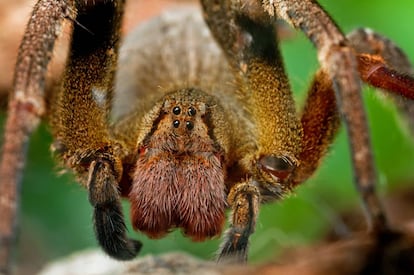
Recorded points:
(185, 191)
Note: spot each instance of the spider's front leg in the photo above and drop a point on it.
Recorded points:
(79, 120)
(338, 59)
(248, 37)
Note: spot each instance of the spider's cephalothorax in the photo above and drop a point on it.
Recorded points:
(192, 125)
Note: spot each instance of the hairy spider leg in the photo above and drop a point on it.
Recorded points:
(337, 57)
(82, 134)
(248, 39)
(250, 43)
(380, 59)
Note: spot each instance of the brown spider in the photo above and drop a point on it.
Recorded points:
(222, 131)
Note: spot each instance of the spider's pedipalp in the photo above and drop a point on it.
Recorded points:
(109, 225)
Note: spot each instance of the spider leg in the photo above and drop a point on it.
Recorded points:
(26, 106)
(109, 222)
(250, 43)
(379, 60)
(244, 199)
(338, 58)
(249, 39)
(80, 121)
(320, 118)
(375, 71)
(320, 122)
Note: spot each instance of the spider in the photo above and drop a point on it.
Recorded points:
(220, 132)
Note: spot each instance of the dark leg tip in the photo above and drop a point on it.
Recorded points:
(123, 251)
(234, 248)
(110, 232)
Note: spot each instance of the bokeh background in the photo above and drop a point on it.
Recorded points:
(56, 215)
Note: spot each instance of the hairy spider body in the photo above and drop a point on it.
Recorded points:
(184, 144)
(189, 142)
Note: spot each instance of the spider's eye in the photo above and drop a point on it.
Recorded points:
(176, 110)
(278, 167)
(192, 111)
(176, 123)
(189, 125)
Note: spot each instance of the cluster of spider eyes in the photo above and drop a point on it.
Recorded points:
(188, 124)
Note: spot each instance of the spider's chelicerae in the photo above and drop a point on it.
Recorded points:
(215, 127)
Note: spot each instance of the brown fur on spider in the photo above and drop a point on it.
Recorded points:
(184, 142)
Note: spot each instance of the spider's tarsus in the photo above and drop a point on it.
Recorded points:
(234, 248)
(110, 232)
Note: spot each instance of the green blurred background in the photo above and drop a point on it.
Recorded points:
(56, 216)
